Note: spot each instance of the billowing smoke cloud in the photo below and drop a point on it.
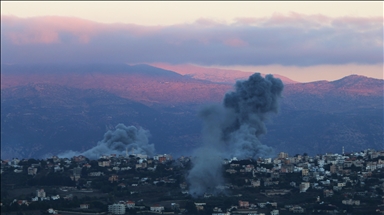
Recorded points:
(233, 129)
(117, 142)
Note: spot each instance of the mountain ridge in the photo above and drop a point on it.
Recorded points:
(348, 84)
(75, 109)
(178, 90)
(214, 74)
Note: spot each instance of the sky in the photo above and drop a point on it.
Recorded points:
(305, 41)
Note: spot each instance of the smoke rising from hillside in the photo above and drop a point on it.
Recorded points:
(117, 142)
(232, 130)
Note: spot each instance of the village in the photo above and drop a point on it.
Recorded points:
(346, 183)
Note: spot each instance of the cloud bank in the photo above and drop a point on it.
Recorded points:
(295, 39)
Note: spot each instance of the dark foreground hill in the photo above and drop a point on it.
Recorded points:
(71, 108)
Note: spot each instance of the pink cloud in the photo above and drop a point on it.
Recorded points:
(49, 28)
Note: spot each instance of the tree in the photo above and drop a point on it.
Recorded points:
(84, 172)
(379, 191)
(191, 207)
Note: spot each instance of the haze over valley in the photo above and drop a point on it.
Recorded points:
(50, 109)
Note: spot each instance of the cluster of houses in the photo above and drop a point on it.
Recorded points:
(327, 173)
(40, 196)
(243, 207)
(122, 206)
(314, 175)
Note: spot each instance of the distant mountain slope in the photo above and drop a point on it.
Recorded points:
(353, 84)
(41, 118)
(48, 110)
(316, 132)
(142, 83)
(213, 74)
(348, 93)
(151, 85)
(38, 119)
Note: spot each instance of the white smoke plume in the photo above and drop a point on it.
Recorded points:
(117, 142)
(232, 130)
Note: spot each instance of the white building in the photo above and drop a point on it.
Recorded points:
(130, 204)
(40, 193)
(52, 211)
(275, 212)
(157, 208)
(55, 197)
(84, 206)
(116, 209)
(32, 170)
(350, 202)
(304, 186)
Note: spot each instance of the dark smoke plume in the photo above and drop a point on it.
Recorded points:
(117, 142)
(233, 129)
